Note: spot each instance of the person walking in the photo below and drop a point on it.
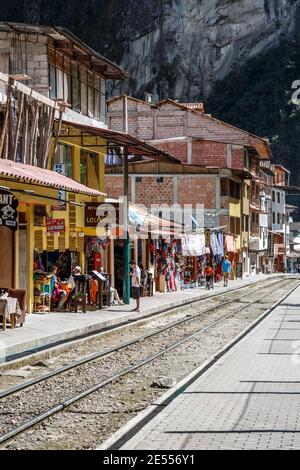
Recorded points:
(226, 270)
(209, 275)
(136, 284)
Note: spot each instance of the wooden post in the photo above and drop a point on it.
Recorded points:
(20, 115)
(25, 134)
(34, 125)
(7, 113)
(48, 137)
(61, 111)
(126, 253)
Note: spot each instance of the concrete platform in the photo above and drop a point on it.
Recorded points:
(44, 331)
(249, 399)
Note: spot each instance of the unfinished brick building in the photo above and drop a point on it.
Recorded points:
(216, 160)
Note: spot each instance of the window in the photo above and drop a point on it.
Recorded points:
(224, 187)
(278, 198)
(52, 78)
(89, 169)
(64, 157)
(278, 218)
(84, 98)
(246, 223)
(138, 179)
(160, 180)
(76, 94)
(234, 189)
(235, 225)
(76, 85)
(273, 196)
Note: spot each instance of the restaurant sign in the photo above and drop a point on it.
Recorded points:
(55, 225)
(91, 218)
(8, 210)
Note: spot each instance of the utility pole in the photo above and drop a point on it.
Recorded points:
(126, 253)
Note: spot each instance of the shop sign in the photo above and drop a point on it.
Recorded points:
(8, 210)
(55, 225)
(91, 218)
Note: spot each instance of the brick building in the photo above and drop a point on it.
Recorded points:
(216, 160)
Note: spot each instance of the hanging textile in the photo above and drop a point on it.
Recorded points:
(193, 245)
(230, 244)
(214, 244)
(221, 244)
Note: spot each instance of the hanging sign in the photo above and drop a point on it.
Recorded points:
(90, 216)
(55, 225)
(8, 210)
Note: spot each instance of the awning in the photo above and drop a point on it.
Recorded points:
(39, 176)
(289, 189)
(121, 139)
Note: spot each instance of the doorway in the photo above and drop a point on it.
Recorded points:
(7, 258)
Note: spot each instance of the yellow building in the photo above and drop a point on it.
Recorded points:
(36, 192)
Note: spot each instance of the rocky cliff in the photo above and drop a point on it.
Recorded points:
(240, 56)
(175, 48)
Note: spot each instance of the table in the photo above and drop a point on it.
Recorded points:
(9, 310)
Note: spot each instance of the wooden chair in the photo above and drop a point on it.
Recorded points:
(43, 291)
(79, 294)
(104, 292)
(21, 295)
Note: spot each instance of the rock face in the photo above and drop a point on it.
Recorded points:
(175, 48)
(187, 45)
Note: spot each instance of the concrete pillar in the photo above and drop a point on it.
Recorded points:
(112, 262)
(30, 258)
(16, 260)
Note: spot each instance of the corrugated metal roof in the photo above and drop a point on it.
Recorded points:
(134, 146)
(40, 176)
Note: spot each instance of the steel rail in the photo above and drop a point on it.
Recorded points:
(106, 352)
(135, 321)
(68, 402)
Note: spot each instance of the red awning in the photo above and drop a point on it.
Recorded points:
(39, 176)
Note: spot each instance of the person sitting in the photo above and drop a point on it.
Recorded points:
(59, 295)
(94, 289)
(114, 297)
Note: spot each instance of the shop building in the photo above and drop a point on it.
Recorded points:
(52, 98)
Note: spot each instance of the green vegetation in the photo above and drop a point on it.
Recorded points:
(258, 98)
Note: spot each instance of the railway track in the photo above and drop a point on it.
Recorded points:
(185, 330)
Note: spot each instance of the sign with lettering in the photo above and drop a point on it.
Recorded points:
(55, 225)
(8, 210)
(91, 218)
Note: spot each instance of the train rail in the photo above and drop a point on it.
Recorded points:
(140, 340)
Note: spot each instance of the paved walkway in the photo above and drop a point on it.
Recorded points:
(250, 398)
(42, 331)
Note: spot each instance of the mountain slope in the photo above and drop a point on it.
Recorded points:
(240, 56)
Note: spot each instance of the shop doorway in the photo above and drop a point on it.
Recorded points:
(7, 258)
